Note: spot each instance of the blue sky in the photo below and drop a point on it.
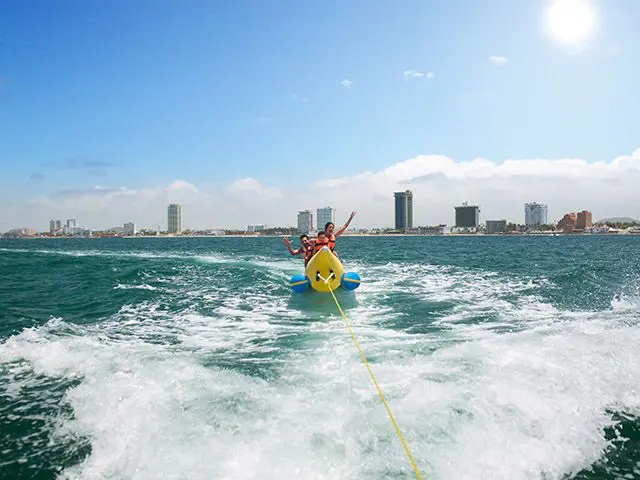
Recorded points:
(138, 94)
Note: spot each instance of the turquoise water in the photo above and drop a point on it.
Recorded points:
(501, 358)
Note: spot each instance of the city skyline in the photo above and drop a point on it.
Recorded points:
(466, 216)
(466, 221)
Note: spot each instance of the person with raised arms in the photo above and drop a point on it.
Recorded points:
(305, 249)
(329, 230)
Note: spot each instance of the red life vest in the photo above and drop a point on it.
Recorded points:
(308, 250)
(308, 253)
(332, 242)
(317, 246)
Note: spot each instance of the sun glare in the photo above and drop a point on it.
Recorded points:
(571, 21)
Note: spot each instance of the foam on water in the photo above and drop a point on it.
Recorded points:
(262, 261)
(628, 302)
(529, 400)
(141, 286)
(148, 254)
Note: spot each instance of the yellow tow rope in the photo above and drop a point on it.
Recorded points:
(386, 405)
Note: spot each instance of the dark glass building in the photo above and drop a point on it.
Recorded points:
(467, 216)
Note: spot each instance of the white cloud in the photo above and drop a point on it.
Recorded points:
(251, 186)
(296, 97)
(498, 61)
(245, 185)
(410, 74)
(607, 188)
(181, 191)
(346, 83)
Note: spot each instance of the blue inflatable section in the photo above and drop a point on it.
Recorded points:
(299, 283)
(350, 280)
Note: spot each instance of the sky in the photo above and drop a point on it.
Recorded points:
(247, 112)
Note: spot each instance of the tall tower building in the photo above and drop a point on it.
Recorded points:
(174, 218)
(52, 226)
(70, 227)
(129, 228)
(584, 220)
(404, 210)
(305, 222)
(535, 214)
(467, 216)
(324, 215)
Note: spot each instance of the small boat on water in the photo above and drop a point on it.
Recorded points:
(323, 273)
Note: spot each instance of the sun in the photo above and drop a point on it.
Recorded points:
(571, 21)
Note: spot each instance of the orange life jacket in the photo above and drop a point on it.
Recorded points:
(308, 253)
(308, 250)
(317, 246)
(332, 242)
(304, 249)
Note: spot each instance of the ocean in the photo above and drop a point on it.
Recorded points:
(190, 358)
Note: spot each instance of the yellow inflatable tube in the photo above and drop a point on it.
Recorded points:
(324, 265)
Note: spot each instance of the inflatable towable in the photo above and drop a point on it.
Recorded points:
(324, 272)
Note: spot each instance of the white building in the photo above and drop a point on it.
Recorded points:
(305, 221)
(535, 214)
(174, 218)
(71, 228)
(129, 228)
(255, 228)
(324, 215)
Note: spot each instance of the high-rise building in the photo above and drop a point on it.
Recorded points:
(58, 225)
(52, 226)
(496, 226)
(404, 210)
(129, 228)
(467, 216)
(305, 221)
(174, 218)
(567, 223)
(535, 214)
(325, 215)
(70, 228)
(584, 220)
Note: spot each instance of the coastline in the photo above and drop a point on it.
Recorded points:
(450, 235)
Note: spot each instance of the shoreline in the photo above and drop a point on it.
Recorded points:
(386, 235)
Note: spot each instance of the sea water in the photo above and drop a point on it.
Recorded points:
(189, 358)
